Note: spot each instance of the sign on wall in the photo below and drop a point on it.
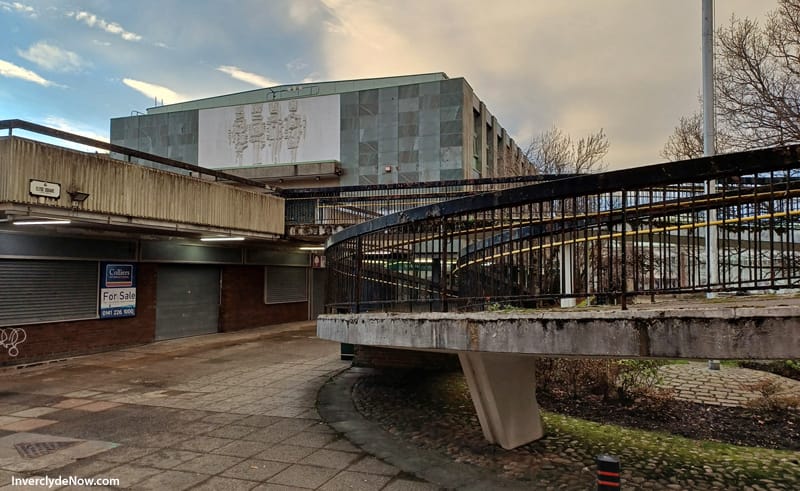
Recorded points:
(44, 189)
(270, 133)
(117, 290)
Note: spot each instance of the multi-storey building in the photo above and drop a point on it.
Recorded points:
(413, 128)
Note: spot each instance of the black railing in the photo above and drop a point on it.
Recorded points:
(350, 205)
(714, 224)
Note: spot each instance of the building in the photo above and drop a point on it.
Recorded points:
(414, 128)
(97, 252)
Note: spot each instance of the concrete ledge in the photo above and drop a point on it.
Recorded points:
(709, 331)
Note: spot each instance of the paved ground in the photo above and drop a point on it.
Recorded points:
(228, 411)
(233, 411)
(729, 386)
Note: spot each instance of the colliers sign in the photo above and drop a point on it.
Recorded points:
(117, 290)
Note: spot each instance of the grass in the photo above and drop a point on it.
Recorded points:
(671, 452)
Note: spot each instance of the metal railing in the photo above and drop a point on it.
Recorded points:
(129, 153)
(723, 223)
(350, 205)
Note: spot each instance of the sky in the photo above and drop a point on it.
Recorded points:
(630, 67)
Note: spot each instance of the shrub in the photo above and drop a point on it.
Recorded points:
(770, 397)
(784, 368)
(609, 378)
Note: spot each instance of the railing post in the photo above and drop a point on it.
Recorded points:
(359, 257)
(443, 276)
(567, 274)
(624, 269)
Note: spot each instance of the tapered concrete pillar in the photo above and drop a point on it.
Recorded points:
(503, 390)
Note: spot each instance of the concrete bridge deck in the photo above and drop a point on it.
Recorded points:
(497, 351)
(757, 327)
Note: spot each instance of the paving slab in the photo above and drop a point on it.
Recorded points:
(228, 411)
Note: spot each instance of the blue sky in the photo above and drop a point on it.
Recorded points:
(631, 67)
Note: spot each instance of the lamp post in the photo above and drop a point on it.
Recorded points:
(709, 137)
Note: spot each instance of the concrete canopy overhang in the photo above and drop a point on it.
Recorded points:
(103, 196)
(109, 225)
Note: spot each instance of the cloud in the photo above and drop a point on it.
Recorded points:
(296, 65)
(301, 11)
(250, 78)
(571, 64)
(76, 128)
(92, 20)
(10, 70)
(153, 91)
(18, 7)
(53, 58)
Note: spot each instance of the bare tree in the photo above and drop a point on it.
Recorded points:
(757, 84)
(555, 152)
(686, 141)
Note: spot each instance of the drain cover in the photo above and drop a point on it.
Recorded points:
(34, 450)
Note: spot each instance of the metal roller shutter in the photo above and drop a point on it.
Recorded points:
(187, 301)
(47, 291)
(285, 284)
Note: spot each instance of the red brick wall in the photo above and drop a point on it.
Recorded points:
(60, 339)
(243, 304)
(371, 356)
(242, 308)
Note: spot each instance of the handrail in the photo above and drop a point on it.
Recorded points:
(606, 236)
(11, 124)
(700, 169)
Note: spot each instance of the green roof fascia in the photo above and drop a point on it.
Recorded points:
(292, 91)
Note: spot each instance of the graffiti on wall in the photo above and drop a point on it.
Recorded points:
(11, 338)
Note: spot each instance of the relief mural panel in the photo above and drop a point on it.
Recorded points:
(270, 133)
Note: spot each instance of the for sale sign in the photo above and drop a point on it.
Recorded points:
(117, 290)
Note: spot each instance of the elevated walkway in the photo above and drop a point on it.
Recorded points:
(102, 195)
(714, 226)
(497, 351)
(756, 327)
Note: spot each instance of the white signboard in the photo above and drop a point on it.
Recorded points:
(270, 133)
(117, 290)
(46, 189)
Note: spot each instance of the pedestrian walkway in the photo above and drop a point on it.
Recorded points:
(729, 386)
(229, 411)
(237, 411)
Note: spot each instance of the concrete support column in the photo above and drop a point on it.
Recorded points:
(503, 390)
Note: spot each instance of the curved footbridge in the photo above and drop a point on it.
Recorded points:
(498, 351)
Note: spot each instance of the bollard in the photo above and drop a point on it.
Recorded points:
(607, 473)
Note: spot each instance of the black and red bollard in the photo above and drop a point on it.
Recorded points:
(607, 473)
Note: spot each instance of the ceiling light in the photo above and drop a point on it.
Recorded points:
(42, 222)
(312, 248)
(221, 239)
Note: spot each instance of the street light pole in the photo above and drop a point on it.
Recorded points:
(709, 138)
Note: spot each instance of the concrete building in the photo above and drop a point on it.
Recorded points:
(414, 128)
(97, 253)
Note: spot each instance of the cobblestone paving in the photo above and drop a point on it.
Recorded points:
(728, 386)
(564, 458)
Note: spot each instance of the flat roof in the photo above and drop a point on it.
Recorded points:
(292, 91)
